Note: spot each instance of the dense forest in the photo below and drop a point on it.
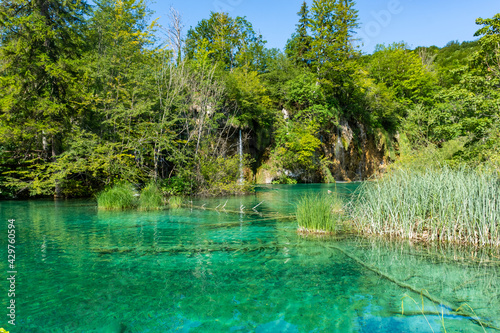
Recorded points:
(94, 95)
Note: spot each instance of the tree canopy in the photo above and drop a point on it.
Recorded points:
(91, 96)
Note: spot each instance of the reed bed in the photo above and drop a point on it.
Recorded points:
(319, 214)
(151, 198)
(175, 202)
(458, 206)
(120, 196)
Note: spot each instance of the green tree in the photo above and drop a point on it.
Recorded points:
(120, 71)
(248, 95)
(490, 43)
(332, 54)
(41, 43)
(280, 69)
(309, 102)
(333, 24)
(464, 112)
(377, 104)
(231, 42)
(299, 45)
(402, 71)
(452, 59)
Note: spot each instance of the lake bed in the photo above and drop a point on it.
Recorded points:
(225, 265)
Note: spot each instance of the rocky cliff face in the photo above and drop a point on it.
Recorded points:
(355, 154)
(352, 153)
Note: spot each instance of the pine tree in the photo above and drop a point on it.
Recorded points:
(332, 25)
(40, 42)
(300, 44)
(332, 53)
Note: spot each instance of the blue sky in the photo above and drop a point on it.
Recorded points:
(416, 22)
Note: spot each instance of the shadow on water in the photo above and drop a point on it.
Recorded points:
(195, 270)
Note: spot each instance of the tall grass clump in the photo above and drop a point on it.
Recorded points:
(451, 205)
(175, 202)
(118, 197)
(319, 214)
(151, 198)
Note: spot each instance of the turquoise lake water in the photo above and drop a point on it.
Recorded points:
(231, 268)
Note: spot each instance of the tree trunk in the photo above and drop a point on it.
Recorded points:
(56, 150)
(45, 145)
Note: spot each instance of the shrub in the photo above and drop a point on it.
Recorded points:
(284, 179)
(176, 185)
(175, 202)
(120, 196)
(151, 198)
(220, 176)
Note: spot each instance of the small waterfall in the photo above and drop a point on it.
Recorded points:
(240, 151)
(339, 149)
(337, 146)
(362, 160)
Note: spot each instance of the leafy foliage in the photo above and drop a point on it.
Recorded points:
(41, 43)
(231, 42)
(402, 71)
(247, 94)
(91, 97)
(296, 146)
(175, 202)
(299, 46)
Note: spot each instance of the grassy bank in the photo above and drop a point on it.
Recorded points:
(459, 206)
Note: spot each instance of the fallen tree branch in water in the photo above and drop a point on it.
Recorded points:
(458, 311)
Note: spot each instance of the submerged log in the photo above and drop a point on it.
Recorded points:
(192, 249)
(457, 311)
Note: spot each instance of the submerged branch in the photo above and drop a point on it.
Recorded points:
(458, 311)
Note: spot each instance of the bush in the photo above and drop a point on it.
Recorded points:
(297, 146)
(319, 214)
(151, 198)
(176, 185)
(120, 196)
(219, 176)
(175, 202)
(284, 179)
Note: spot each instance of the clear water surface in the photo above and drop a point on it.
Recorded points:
(221, 266)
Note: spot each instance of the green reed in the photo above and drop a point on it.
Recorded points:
(151, 198)
(175, 202)
(118, 197)
(460, 206)
(320, 213)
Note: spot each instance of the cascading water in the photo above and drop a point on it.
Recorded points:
(362, 160)
(339, 149)
(240, 151)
